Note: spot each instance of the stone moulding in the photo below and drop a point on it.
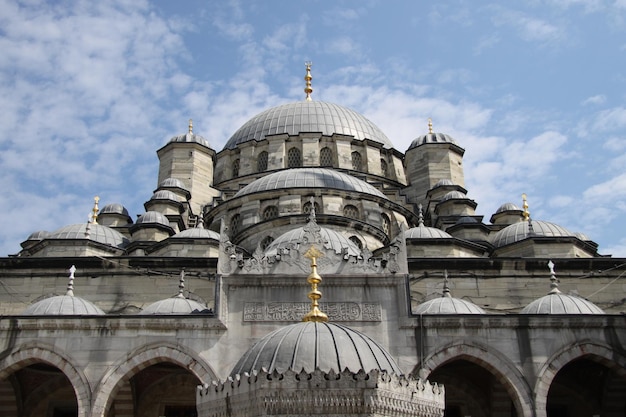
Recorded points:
(319, 393)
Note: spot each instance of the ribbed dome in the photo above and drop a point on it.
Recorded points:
(164, 195)
(114, 208)
(153, 217)
(520, 231)
(432, 138)
(424, 232)
(308, 116)
(311, 345)
(443, 182)
(334, 240)
(453, 195)
(192, 138)
(175, 305)
(559, 303)
(507, 207)
(97, 233)
(448, 305)
(197, 233)
(38, 235)
(309, 178)
(63, 305)
(172, 183)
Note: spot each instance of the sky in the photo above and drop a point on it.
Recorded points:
(534, 92)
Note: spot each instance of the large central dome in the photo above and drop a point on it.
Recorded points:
(308, 116)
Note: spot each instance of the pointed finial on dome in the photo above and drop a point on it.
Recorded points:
(446, 288)
(308, 89)
(190, 126)
(420, 216)
(526, 213)
(94, 210)
(181, 284)
(554, 282)
(70, 284)
(430, 126)
(314, 279)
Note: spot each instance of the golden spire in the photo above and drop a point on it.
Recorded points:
(315, 314)
(430, 126)
(526, 213)
(94, 210)
(308, 89)
(190, 126)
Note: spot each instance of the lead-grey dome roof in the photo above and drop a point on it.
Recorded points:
(175, 305)
(197, 233)
(164, 195)
(153, 217)
(432, 138)
(308, 116)
(114, 208)
(559, 303)
(448, 305)
(425, 232)
(309, 178)
(97, 232)
(508, 207)
(310, 345)
(62, 305)
(192, 138)
(521, 230)
(334, 240)
(172, 183)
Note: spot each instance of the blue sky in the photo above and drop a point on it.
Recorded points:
(534, 91)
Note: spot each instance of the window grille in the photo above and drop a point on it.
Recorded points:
(326, 157)
(306, 208)
(267, 240)
(235, 168)
(270, 212)
(351, 211)
(294, 158)
(383, 167)
(386, 223)
(261, 164)
(235, 225)
(356, 161)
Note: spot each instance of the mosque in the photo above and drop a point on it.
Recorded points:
(210, 302)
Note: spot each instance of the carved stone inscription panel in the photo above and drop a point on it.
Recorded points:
(294, 311)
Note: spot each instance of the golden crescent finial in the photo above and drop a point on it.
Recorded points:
(94, 210)
(308, 89)
(314, 279)
(430, 126)
(526, 213)
(190, 126)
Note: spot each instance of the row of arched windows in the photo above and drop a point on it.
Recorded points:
(294, 160)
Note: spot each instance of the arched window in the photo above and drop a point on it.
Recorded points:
(356, 161)
(294, 158)
(326, 157)
(267, 240)
(235, 168)
(351, 211)
(235, 224)
(306, 208)
(356, 241)
(383, 167)
(270, 212)
(261, 162)
(386, 223)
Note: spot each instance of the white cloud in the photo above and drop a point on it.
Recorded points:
(528, 27)
(597, 99)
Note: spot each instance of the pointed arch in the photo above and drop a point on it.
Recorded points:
(29, 355)
(141, 359)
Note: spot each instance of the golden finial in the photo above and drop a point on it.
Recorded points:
(94, 210)
(190, 126)
(430, 126)
(308, 89)
(314, 279)
(526, 213)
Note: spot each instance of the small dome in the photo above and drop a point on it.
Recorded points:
(164, 195)
(309, 178)
(466, 220)
(172, 183)
(308, 116)
(425, 232)
(153, 217)
(334, 240)
(192, 138)
(559, 303)
(175, 305)
(311, 345)
(432, 138)
(114, 208)
(197, 233)
(38, 235)
(582, 236)
(443, 182)
(97, 232)
(453, 195)
(507, 207)
(521, 230)
(448, 305)
(63, 305)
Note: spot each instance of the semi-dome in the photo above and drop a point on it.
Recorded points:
(197, 233)
(96, 232)
(315, 345)
(333, 240)
(425, 232)
(308, 116)
(63, 305)
(309, 178)
(175, 305)
(153, 217)
(432, 138)
(521, 230)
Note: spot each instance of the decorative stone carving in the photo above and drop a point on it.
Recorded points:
(294, 311)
